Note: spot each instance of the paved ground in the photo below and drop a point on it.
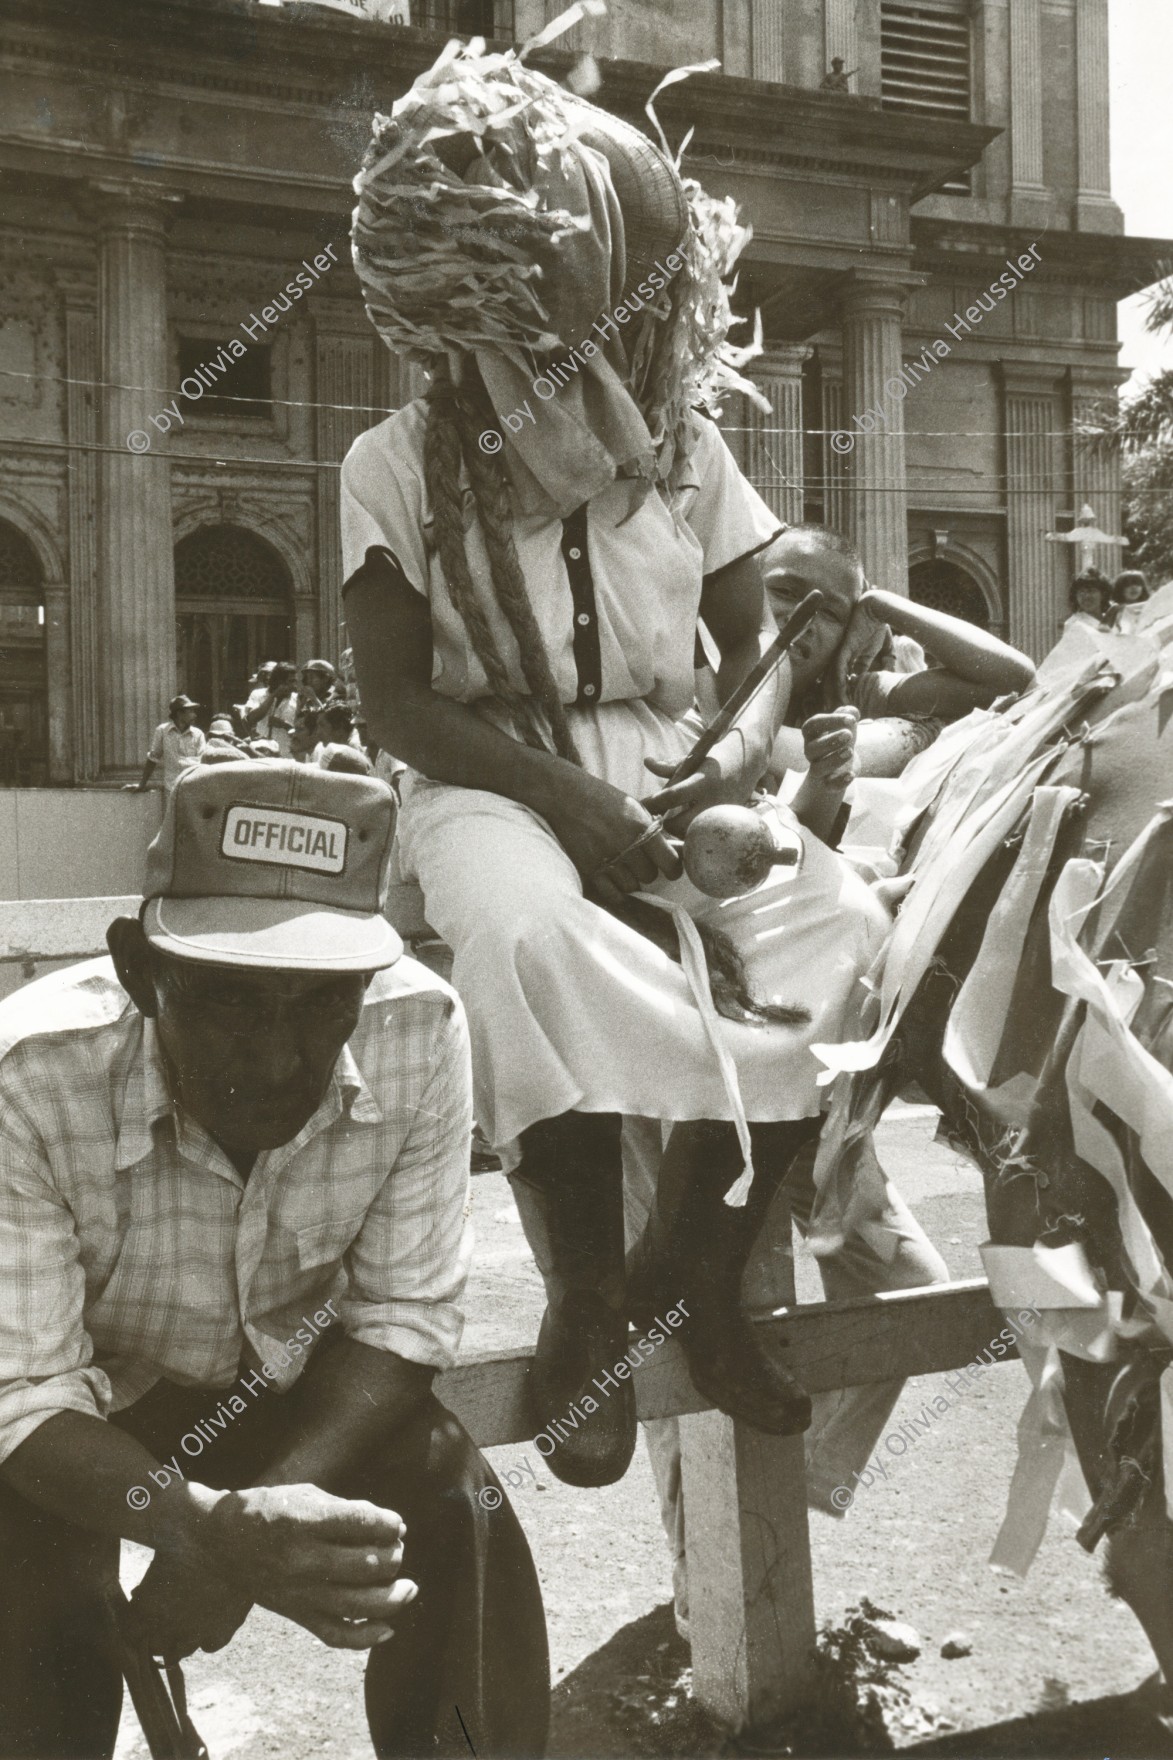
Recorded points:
(916, 1544)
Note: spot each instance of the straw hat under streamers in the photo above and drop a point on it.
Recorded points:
(477, 220)
(502, 216)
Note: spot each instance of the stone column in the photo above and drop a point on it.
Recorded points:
(769, 34)
(1095, 474)
(1028, 195)
(136, 601)
(832, 471)
(1037, 573)
(840, 36)
(57, 676)
(79, 297)
(773, 442)
(875, 499)
(1095, 211)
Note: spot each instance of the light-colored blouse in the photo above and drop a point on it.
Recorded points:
(646, 565)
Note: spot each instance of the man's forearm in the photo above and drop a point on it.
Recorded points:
(93, 1474)
(349, 1398)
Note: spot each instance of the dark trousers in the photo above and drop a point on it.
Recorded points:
(472, 1645)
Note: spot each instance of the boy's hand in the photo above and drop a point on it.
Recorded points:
(829, 744)
(866, 640)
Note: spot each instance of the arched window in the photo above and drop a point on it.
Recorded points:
(943, 586)
(233, 603)
(24, 702)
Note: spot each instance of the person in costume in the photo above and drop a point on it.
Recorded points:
(527, 551)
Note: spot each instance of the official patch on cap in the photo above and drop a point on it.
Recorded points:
(287, 840)
(273, 865)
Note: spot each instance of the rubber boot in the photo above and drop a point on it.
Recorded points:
(569, 1194)
(694, 1251)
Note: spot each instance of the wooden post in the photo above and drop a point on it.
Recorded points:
(751, 1606)
(750, 1594)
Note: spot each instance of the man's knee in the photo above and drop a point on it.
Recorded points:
(431, 1461)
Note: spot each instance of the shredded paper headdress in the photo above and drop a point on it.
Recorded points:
(501, 216)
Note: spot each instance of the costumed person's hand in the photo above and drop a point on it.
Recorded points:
(828, 742)
(866, 641)
(179, 1608)
(727, 777)
(330, 1564)
(612, 840)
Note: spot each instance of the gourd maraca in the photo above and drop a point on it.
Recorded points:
(729, 851)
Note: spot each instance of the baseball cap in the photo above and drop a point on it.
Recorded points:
(274, 866)
(182, 702)
(320, 666)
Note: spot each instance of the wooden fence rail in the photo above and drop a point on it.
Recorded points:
(751, 1599)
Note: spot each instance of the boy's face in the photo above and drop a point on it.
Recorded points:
(792, 566)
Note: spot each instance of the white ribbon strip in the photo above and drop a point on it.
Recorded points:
(1167, 1434)
(978, 1019)
(696, 971)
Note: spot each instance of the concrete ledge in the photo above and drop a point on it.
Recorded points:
(74, 842)
(36, 929)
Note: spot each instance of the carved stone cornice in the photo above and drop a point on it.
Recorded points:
(1097, 261)
(135, 206)
(314, 62)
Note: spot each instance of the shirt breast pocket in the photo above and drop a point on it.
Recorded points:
(325, 1243)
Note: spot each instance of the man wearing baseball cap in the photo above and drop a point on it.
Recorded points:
(233, 1240)
(177, 745)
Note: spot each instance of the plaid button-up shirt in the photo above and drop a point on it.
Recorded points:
(130, 1247)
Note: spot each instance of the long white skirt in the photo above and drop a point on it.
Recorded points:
(571, 1009)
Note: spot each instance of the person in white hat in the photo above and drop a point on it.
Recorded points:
(233, 1240)
(177, 744)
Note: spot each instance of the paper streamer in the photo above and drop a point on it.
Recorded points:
(1041, 1277)
(1075, 1316)
(1166, 1386)
(1046, 1463)
(977, 1021)
(928, 911)
(696, 971)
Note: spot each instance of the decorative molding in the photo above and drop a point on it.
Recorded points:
(32, 525)
(239, 505)
(972, 561)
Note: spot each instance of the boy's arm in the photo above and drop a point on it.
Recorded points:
(974, 667)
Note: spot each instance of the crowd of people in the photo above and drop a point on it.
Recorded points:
(313, 718)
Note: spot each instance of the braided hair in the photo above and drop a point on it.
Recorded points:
(457, 416)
